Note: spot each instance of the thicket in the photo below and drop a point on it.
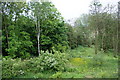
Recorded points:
(30, 27)
(46, 62)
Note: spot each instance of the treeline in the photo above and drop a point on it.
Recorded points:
(99, 28)
(28, 28)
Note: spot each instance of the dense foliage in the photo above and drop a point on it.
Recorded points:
(45, 29)
(45, 62)
(38, 43)
(80, 63)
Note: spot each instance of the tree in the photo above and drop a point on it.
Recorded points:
(95, 11)
(72, 36)
(104, 25)
(37, 14)
(14, 37)
(50, 26)
(83, 31)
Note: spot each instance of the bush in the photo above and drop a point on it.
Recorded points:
(13, 67)
(46, 61)
(55, 62)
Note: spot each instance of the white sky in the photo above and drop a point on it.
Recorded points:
(74, 8)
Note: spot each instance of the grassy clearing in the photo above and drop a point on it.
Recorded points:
(102, 65)
(82, 63)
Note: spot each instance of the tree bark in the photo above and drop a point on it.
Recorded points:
(38, 35)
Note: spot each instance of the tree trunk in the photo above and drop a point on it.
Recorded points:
(102, 41)
(118, 35)
(38, 39)
(96, 42)
(38, 35)
(96, 29)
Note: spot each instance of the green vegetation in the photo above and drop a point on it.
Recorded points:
(62, 65)
(38, 43)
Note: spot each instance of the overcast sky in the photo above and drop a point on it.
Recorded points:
(74, 8)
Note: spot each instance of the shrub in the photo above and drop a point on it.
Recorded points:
(8, 69)
(46, 61)
(55, 62)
